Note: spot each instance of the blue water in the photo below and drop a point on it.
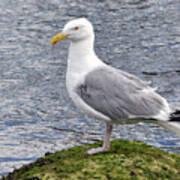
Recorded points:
(36, 114)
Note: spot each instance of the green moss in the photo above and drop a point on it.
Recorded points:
(127, 160)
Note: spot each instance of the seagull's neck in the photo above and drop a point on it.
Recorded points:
(82, 57)
(82, 48)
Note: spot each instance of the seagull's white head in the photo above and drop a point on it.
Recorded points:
(75, 30)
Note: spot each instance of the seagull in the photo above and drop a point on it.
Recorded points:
(104, 92)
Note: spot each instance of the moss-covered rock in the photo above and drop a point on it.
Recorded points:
(127, 160)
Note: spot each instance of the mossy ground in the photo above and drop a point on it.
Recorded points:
(127, 160)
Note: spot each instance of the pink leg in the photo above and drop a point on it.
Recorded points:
(106, 144)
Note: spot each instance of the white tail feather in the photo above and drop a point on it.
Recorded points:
(174, 127)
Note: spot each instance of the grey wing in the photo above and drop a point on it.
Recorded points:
(119, 95)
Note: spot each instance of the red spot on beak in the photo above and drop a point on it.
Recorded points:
(55, 42)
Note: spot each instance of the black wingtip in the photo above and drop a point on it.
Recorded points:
(175, 116)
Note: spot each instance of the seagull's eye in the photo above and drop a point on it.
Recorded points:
(76, 28)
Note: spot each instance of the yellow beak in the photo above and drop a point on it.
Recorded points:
(58, 37)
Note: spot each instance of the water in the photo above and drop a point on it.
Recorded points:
(36, 114)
